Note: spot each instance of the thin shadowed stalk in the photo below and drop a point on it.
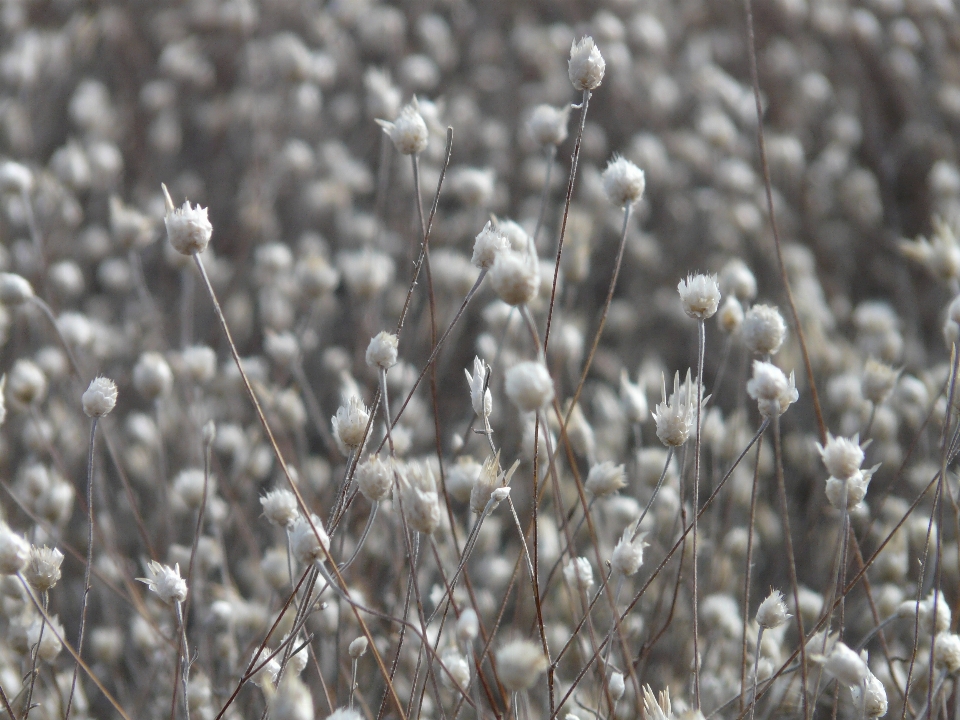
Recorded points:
(89, 565)
(701, 344)
(748, 570)
(551, 154)
(791, 563)
(574, 161)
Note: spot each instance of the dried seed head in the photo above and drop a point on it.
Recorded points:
(529, 386)
(946, 652)
(605, 479)
(350, 422)
(676, 417)
(188, 228)
(763, 329)
(165, 582)
(515, 276)
(489, 243)
(27, 384)
(772, 390)
(152, 376)
(188, 487)
(14, 551)
(280, 507)
(374, 478)
(578, 573)
(382, 350)
(548, 125)
(772, 612)
(623, 182)
(616, 686)
(628, 553)
(519, 664)
(14, 289)
(878, 381)
(468, 626)
(842, 456)
(409, 131)
(308, 546)
(358, 647)
(700, 296)
(730, 316)
(586, 65)
(100, 397)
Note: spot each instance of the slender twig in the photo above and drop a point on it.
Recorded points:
(88, 568)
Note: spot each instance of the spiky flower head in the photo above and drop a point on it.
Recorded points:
(188, 227)
(772, 612)
(166, 582)
(586, 66)
(699, 295)
(677, 417)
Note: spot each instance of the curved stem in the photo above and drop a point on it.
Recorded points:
(551, 153)
(363, 537)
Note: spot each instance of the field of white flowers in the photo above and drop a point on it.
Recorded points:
(442, 359)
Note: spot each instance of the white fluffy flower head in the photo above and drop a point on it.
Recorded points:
(586, 66)
(605, 479)
(842, 456)
(628, 553)
(548, 125)
(350, 422)
(489, 243)
(166, 582)
(699, 295)
(280, 507)
(409, 131)
(382, 350)
(676, 417)
(763, 329)
(772, 612)
(100, 397)
(480, 398)
(188, 227)
(773, 391)
(519, 664)
(529, 386)
(308, 546)
(623, 182)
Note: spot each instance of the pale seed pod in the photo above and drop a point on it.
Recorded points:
(586, 66)
(100, 397)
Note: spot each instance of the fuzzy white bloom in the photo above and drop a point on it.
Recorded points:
(358, 647)
(519, 664)
(634, 399)
(845, 665)
(280, 507)
(486, 482)
(529, 386)
(940, 255)
(676, 418)
(628, 553)
(763, 329)
(946, 652)
(548, 125)
(700, 296)
(292, 700)
(15, 177)
(605, 479)
(42, 571)
(874, 697)
(350, 422)
(308, 546)
(586, 65)
(166, 582)
(152, 376)
(14, 289)
(772, 390)
(468, 626)
(925, 609)
(408, 131)
(480, 397)
(772, 612)
(578, 573)
(623, 182)
(188, 228)
(14, 551)
(374, 478)
(100, 397)
(854, 487)
(842, 456)
(48, 635)
(616, 686)
(730, 315)
(200, 362)
(457, 673)
(418, 493)
(382, 350)
(489, 243)
(188, 487)
(878, 381)
(27, 383)
(738, 280)
(515, 276)
(281, 347)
